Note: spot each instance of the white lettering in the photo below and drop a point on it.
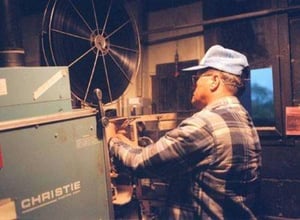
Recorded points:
(52, 194)
(25, 204)
(76, 185)
(58, 192)
(48, 197)
(36, 200)
(66, 188)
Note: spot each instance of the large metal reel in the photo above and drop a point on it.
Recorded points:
(98, 40)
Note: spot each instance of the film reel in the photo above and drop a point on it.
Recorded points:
(98, 40)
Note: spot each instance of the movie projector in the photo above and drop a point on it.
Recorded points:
(54, 162)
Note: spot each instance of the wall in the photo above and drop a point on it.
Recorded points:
(281, 183)
(168, 32)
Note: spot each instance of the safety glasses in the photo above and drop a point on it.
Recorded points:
(197, 76)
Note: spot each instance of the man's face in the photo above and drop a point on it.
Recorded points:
(202, 90)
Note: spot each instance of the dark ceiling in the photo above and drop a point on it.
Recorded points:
(154, 5)
(37, 6)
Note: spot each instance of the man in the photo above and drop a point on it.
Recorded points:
(212, 158)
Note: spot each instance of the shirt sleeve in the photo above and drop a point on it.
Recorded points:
(180, 150)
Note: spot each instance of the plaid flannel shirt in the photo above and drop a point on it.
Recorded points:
(212, 160)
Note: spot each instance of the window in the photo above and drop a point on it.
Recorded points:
(258, 98)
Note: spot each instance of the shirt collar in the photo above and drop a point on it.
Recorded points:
(228, 100)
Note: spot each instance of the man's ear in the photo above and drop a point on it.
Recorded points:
(214, 82)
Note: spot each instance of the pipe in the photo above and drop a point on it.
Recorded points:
(249, 15)
(11, 47)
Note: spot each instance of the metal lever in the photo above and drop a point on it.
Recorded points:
(104, 120)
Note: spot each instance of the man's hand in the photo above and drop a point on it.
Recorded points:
(110, 130)
(119, 129)
(121, 136)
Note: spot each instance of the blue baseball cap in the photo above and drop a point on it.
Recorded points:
(223, 59)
